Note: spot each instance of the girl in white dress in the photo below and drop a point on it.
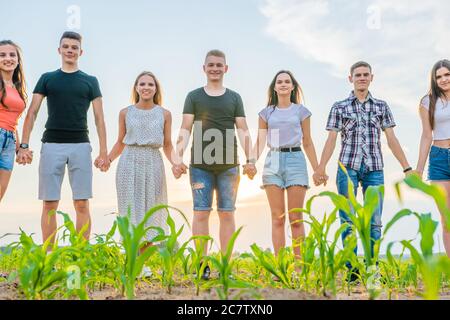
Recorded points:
(144, 128)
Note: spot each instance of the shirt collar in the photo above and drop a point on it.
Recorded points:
(352, 97)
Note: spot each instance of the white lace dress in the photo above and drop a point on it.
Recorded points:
(140, 176)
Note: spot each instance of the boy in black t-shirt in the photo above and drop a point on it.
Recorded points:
(65, 141)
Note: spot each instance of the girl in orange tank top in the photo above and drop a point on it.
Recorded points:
(12, 104)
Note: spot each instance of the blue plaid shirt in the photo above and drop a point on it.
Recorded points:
(360, 125)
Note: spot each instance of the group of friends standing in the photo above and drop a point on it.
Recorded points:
(214, 114)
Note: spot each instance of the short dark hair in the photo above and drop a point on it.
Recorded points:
(360, 64)
(216, 53)
(71, 35)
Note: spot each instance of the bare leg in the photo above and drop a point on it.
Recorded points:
(227, 228)
(200, 225)
(445, 231)
(275, 196)
(5, 175)
(296, 197)
(48, 222)
(83, 216)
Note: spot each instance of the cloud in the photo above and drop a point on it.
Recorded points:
(401, 39)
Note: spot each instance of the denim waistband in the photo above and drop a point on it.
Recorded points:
(7, 132)
(440, 148)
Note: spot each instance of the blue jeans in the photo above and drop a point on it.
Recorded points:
(204, 182)
(439, 164)
(7, 149)
(365, 178)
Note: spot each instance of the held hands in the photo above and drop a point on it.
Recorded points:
(320, 177)
(250, 170)
(179, 169)
(24, 156)
(102, 162)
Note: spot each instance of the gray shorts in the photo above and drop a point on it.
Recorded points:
(52, 166)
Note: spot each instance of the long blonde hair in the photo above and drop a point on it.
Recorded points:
(157, 98)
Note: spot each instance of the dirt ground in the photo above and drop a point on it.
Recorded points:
(149, 291)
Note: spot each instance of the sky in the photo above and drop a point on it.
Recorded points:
(316, 39)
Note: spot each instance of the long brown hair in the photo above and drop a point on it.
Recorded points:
(18, 75)
(157, 98)
(435, 92)
(296, 94)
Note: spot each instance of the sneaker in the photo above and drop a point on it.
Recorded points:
(206, 273)
(145, 273)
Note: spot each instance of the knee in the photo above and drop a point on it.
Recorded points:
(81, 206)
(278, 220)
(201, 217)
(226, 217)
(296, 220)
(49, 206)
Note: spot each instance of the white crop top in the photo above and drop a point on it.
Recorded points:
(441, 129)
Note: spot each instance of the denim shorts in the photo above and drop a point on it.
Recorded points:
(439, 164)
(8, 149)
(52, 166)
(285, 169)
(204, 182)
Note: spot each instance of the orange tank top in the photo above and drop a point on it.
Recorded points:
(9, 117)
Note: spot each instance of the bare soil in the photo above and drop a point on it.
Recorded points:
(150, 291)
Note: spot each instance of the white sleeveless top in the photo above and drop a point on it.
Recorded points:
(144, 127)
(441, 129)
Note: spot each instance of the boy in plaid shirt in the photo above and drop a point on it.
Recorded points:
(360, 119)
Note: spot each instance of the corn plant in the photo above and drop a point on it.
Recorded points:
(37, 272)
(197, 258)
(330, 262)
(224, 263)
(280, 266)
(103, 261)
(170, 253)
(431, 267)
(361, 220)
(132, 236)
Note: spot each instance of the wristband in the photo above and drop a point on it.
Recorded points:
(407, 169)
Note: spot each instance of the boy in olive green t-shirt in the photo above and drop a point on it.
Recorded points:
(214, 111)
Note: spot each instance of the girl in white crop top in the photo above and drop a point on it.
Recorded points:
(434, 112)
(285, 125)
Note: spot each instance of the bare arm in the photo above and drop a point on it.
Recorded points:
(245, 139)
(425, 140)
(26, 155)
(328, 150)
(168, 146)
(320, 175)
(308, 144)
(183, 137)
(260, 139)
(395, 147)
(17, 140)
(100, 124)
(31, 117)
(118, 147)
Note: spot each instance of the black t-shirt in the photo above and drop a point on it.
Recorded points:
(214, 145)
(69, 96)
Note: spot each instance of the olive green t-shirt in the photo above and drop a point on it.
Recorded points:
(214, 143)
(69, 96)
